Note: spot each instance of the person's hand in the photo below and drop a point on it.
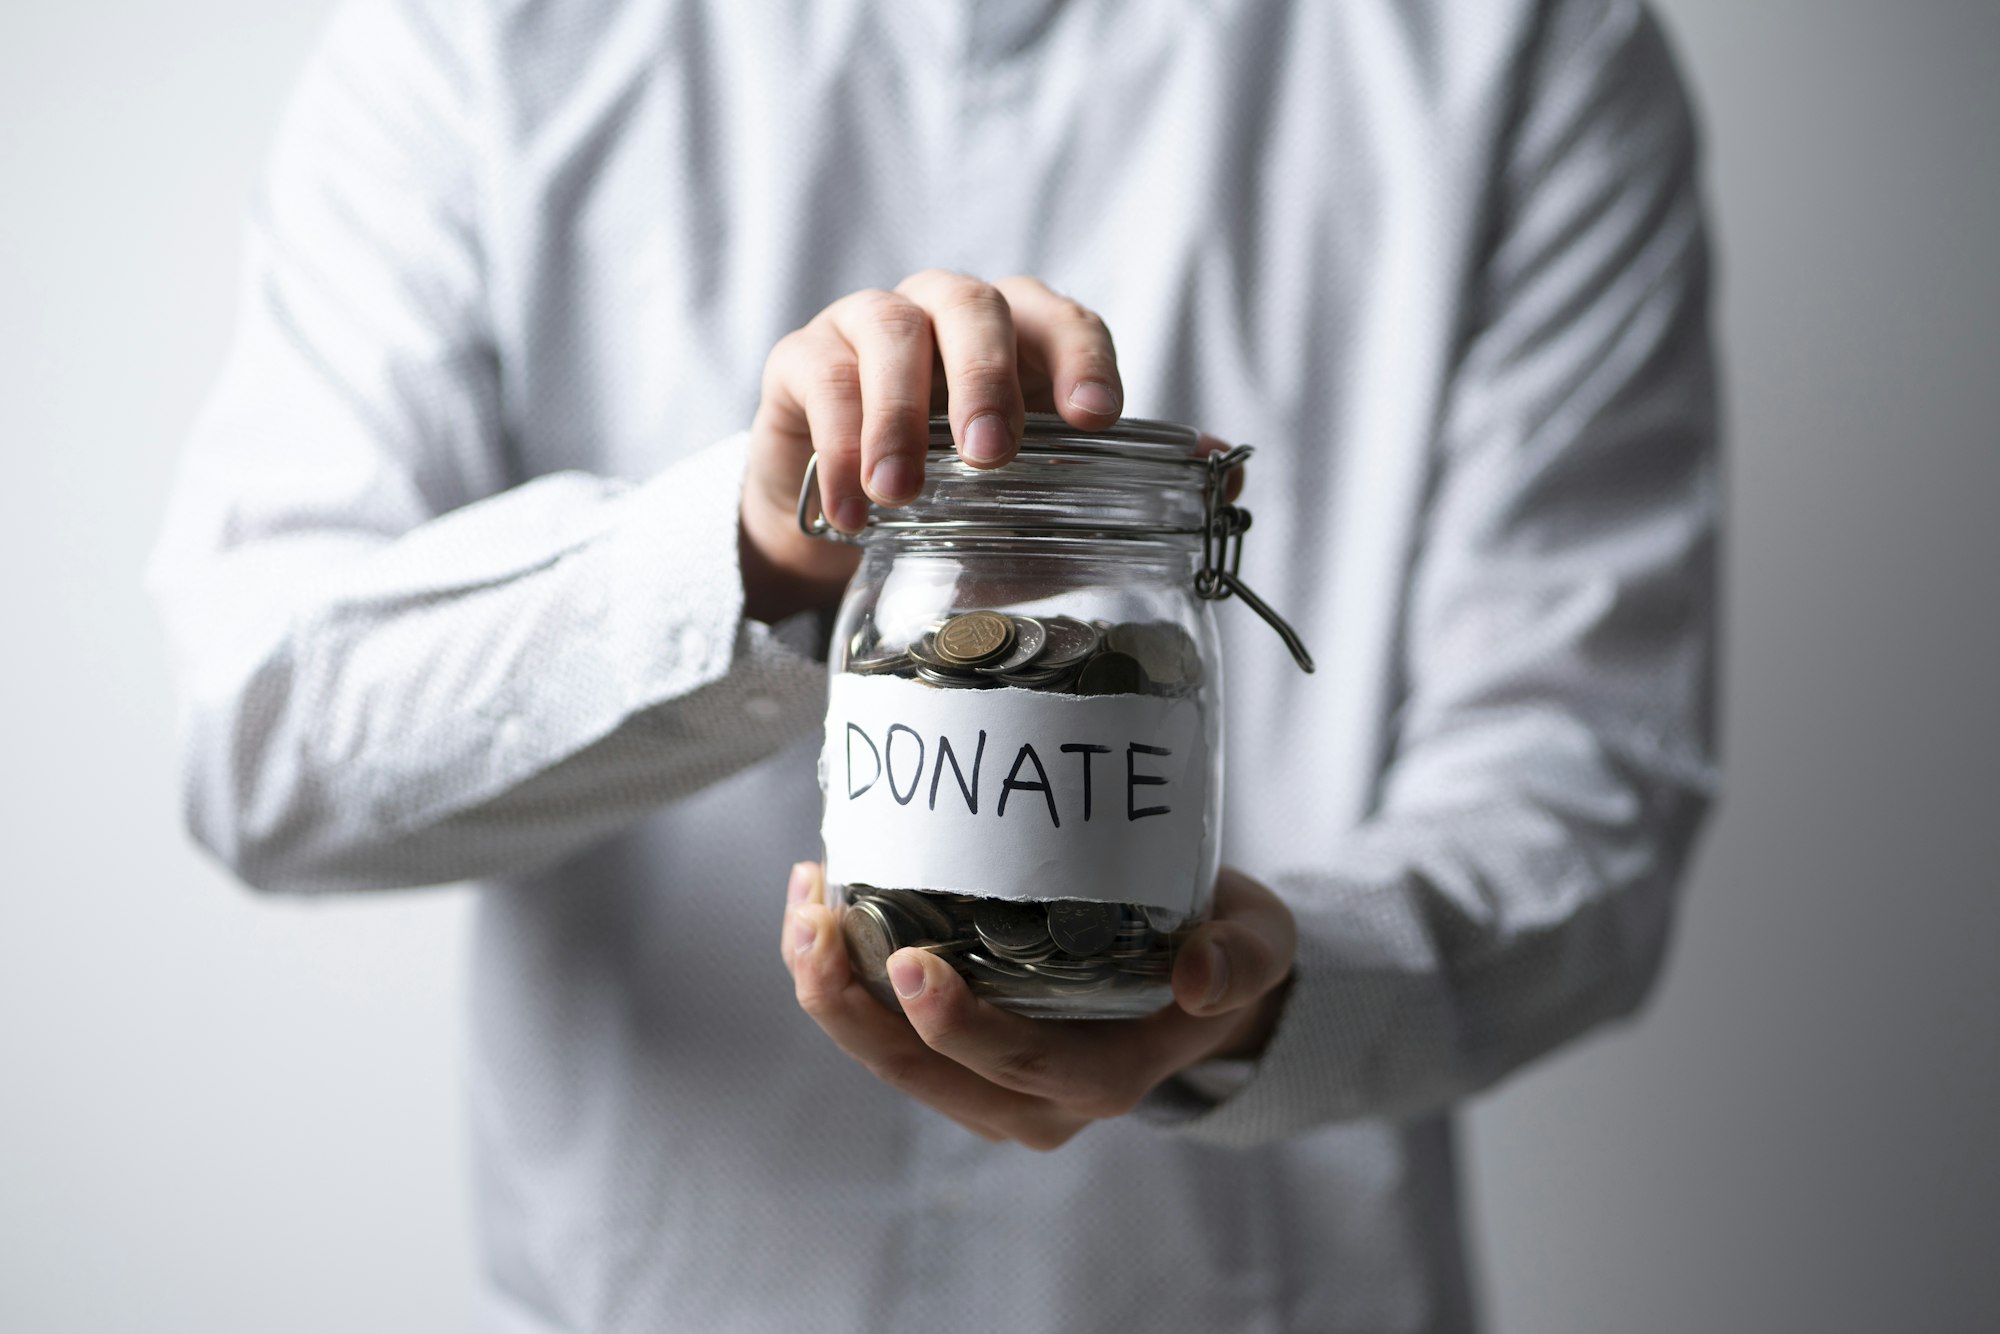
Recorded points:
(1041, 1081)
(858, 384)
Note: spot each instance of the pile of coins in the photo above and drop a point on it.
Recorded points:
(978, 650)
(1033, 958)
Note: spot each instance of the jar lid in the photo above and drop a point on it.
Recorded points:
(1047, 438)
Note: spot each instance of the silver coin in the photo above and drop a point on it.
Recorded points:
(1166, 652)
(1081, 927)
(1133, 947)
(1112, 674)
(870, 938)
(1011, 928)
(928, 921)
(1060, 678)
(1030, 638)
(904, 924)
(1042, 950)
(1135, 938)
(1163, 920)
(952, 680)
(1129, 637)
(883, 664)
(989, 968)
(1072, 970)
(1070, 642)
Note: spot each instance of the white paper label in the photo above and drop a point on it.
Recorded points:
(1019, 794)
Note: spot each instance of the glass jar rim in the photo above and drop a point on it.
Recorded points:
(1138, 439)
(1047, 438)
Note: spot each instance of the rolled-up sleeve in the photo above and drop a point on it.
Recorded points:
(398, 663)
(1554, 747)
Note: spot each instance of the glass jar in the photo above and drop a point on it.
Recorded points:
(1022, 768)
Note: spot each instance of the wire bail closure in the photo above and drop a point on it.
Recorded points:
(1223, 526)
(1222, 552)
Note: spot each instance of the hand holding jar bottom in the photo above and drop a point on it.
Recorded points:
(1008, 1077)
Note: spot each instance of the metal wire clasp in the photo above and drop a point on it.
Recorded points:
(1223, 526)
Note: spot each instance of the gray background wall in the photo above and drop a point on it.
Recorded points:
(220, 1114)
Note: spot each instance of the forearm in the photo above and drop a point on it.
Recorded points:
(487, 692)
(1452, 946)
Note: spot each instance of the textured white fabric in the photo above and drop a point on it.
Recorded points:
(450, 574)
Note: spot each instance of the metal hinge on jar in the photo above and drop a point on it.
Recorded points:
(1222, 551)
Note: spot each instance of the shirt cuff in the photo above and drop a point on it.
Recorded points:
(680, 623)
(1194, 1091)
(1363, 1017)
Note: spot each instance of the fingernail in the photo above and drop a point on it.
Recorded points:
(805, 934)
(1218, 976)
(906, 975)
(987, 439)
(800, 886)
(1095, 397)
(850, 514)
(893, 479)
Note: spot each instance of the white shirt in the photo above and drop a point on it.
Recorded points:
(450, 571)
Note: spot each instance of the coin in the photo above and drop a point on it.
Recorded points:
(882, 665)
(1111, 674)
(1070, 981)
(1135, 936)
(923, 650)
(1030, 638)
(928, 919)
(1021, 966)
(1070, 641)
(1166, 653)
(944, 676)
(974, 638)
(1009, 927)
(1038, 678)
(1082, 927)
(997, 972)
(870, 938)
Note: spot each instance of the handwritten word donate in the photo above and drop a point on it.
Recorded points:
(895, 766)
(1017, 793)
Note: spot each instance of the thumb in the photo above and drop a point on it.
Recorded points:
(1244, 953)
(1226, 965)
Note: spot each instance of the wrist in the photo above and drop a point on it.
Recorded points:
(1259, 1020)
(783, 570)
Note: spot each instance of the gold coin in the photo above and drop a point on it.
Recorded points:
(975, 638)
